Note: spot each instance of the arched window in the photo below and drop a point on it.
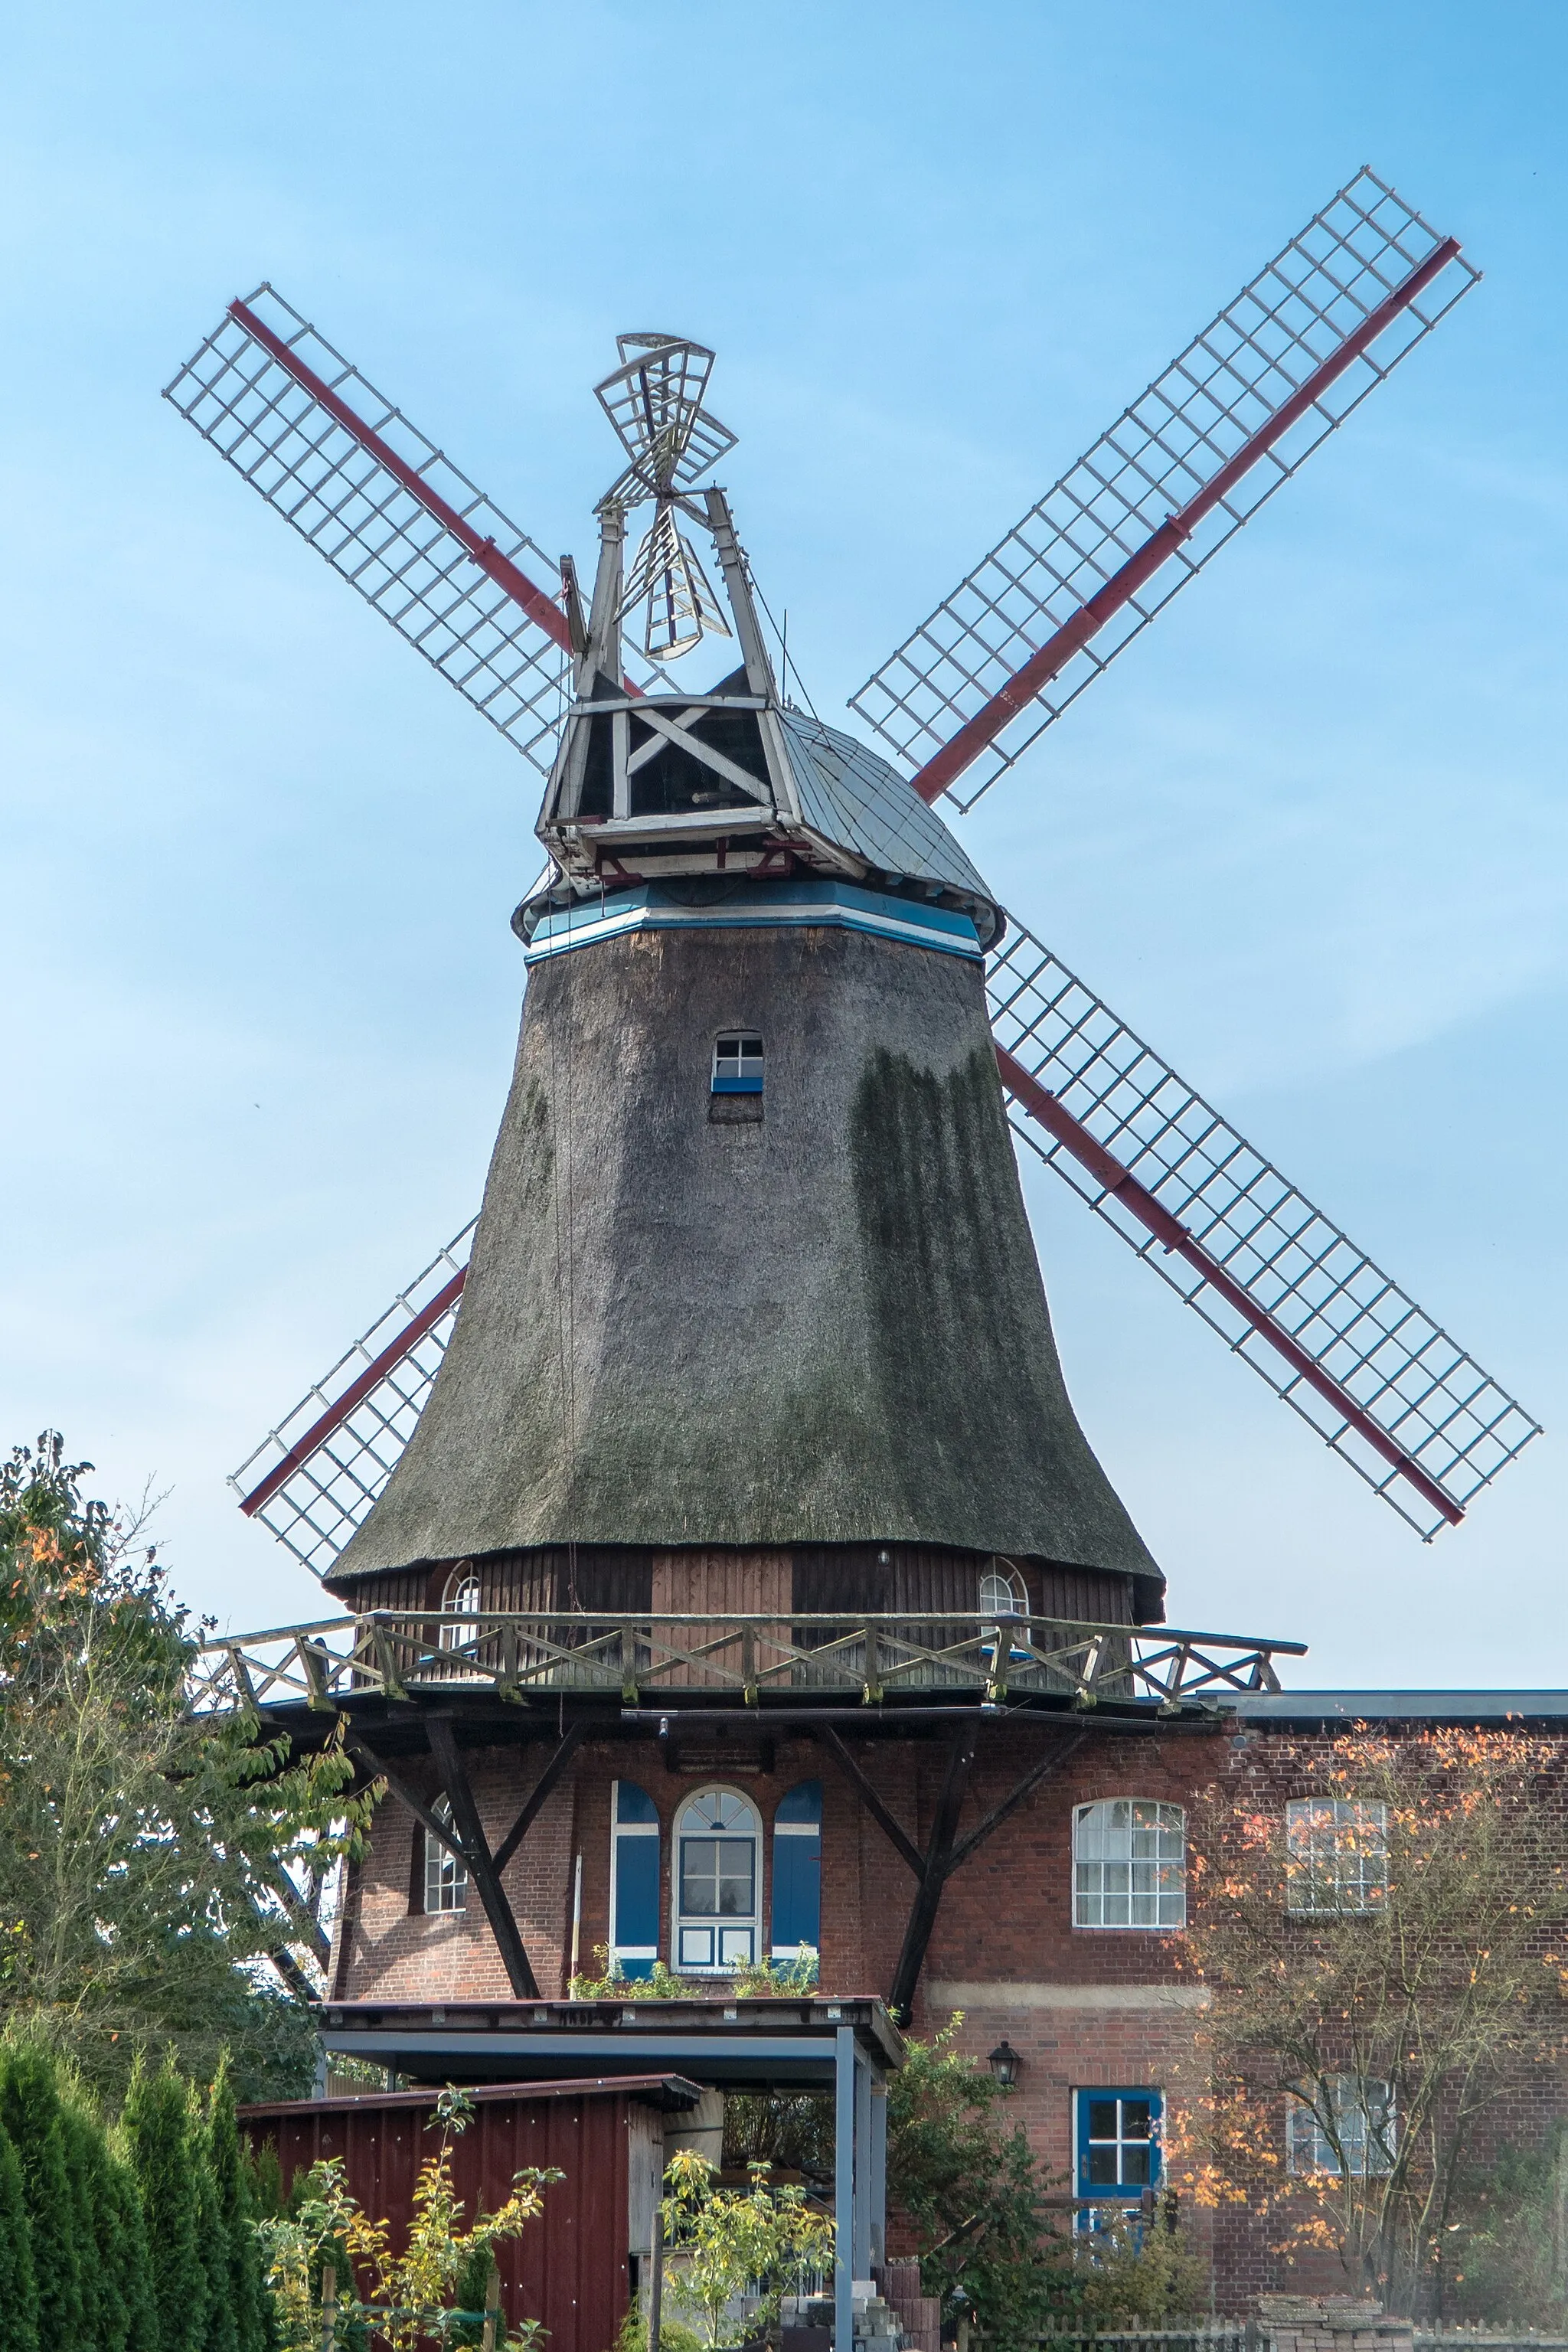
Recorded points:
(797, 1872)
(718, 1886)
(1003, 1593)
(446, 1878)
(1130, 1864)
(634, 1879)
(461, 1598)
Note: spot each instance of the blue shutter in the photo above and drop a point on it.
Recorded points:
(797, 1869)
(635, 1843)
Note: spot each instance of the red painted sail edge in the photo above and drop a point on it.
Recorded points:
(355, 1393)
(1106, 1170)
(505, 574)
(945, 766)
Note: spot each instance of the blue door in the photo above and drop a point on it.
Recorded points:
(1118, 2148)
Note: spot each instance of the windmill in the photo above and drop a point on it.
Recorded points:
(778, 795)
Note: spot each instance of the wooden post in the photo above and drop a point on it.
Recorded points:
(329, 2307)
(655, 2282)
(493, 2310)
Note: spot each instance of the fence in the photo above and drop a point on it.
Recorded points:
(866, 1656)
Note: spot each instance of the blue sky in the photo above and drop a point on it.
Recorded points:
(1308, 834)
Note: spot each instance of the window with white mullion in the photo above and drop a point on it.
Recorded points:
(1348, 2128)
(1336, 1855)
(1130, 1864)
(446, 1875)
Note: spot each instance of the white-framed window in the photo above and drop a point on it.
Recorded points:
(634, 1879)
(738, 1063)
(1129, 1863)
(1336, 1854)
(1350, 2129)
(461, 1598)
(445, 1879)
(1003, 1593)
(717, 1883)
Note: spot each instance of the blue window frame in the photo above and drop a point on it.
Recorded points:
(738, 1063)
(633, 1880)
(1117, 2147)
(797, 1870)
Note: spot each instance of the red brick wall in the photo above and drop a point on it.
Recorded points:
(1083, 2007)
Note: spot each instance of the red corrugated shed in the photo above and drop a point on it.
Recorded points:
(569, 2269)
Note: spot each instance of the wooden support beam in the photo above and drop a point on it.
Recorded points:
(1026, 1788)
(294, 1977)
(300, 1912)
(934, 1873)
(481, 1863)
(902, 1845)
(445, 1832)
(543, 1789)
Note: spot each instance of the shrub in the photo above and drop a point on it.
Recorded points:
(18, 2284)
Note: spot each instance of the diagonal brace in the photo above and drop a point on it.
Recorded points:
(948, 1852)
(934, 1869)
(480, 1862)
(903, 1845)
(543, 1789)
(1031, 1780)
(443, 1832)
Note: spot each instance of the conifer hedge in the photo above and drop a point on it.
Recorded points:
(134, 2238)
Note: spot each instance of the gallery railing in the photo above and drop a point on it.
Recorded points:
(744, 1659)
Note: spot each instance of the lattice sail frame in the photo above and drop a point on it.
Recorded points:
(313, 1479)
(1399, 1367)
(393, 515)
(654, 400)
(1192, 424)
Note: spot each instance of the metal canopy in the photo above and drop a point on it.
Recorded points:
(846, 2046)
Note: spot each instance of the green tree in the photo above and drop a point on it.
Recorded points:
(731, 2241)
(243, 2287)
(135, 2260)
(219, 2331)
(18, 2284)
(102, 2310)
(157, 2127)
(140, 1844)
(30, 2116)
(970, 2187)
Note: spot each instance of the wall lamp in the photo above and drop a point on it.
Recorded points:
(1005, 2064)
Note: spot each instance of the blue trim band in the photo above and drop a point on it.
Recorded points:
(757, 906)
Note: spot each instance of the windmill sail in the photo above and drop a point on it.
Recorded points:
(419, 541)
(1293, 1296)
(313, 1479)
(1177, 475)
